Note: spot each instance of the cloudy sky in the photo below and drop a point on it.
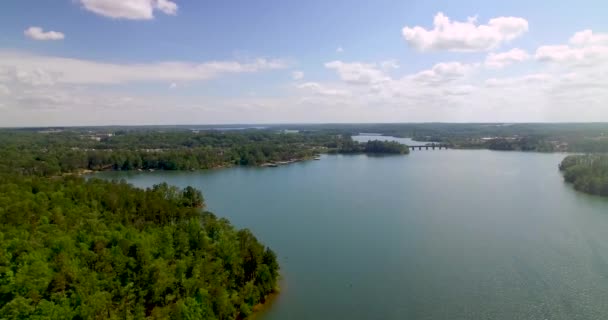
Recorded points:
(98, 62)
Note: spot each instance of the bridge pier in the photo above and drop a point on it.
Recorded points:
(431, 146)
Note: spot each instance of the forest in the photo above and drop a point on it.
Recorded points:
(372, 147)
(46, 153)
(587, 173)
(72, 248)
(76, 248)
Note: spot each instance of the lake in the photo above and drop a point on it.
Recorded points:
(364, 137)
(443, 234)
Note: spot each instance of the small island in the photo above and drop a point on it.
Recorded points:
(372, 147)
(587, 173)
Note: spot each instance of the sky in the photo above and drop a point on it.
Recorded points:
(152, 62)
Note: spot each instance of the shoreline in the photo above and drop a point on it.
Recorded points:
(260, 309)
(270, 164)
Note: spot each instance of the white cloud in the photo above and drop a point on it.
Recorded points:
(4, 90)
(167, 6)
(585, 49)
(588, 38)
(130, 9)
(500, 60)
(566, 82)
(339, 50)
(441, 73)
(519, 81)
(48, 70)
(459, 90)
(357, 72)
(464, 36)
(38, 33)
(297, 75)
(388, 65)
(316, 88)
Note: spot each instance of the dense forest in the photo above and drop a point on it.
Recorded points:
(52, 153)
(69, 151)
(78, 248)
(75, 248)
(373, 147)
(72, 248)
(587, 173)
(520, 144)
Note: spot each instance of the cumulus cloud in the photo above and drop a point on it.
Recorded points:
(464, 36)
(316, 88)
(167, 7)
(441, 73)
(297, 75)
(500, 60)
(567, 82)
(130, 9)
(38, 33)
(48, 70)
(357, 72)
(339, 50)
(584, 49)
(519, 81)
(588, 38)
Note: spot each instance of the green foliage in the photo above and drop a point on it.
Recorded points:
(90, 249)
(348, 145)
(377, 146)
(46, 154)
(587, 173)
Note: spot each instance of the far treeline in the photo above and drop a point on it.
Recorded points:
(52, 152)
(587, 173)
(542, 137)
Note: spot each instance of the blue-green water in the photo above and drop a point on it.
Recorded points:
(450, 234)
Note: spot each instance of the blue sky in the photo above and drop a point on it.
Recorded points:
(83, 62)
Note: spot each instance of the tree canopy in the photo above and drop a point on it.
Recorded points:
(75, 248)
(72, 248)
(587, 173)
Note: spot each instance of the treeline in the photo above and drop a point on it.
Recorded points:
(90, 249)
(69, 160)
(521, 144)
(371, 147)
(589, 145)
(587, 173)
(47, 154)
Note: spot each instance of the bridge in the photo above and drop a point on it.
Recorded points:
(431, 146)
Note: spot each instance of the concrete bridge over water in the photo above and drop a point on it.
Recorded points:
(431, 146)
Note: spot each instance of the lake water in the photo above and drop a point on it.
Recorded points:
(367, 137)
(450, 234)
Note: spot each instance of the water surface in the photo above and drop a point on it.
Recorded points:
(444, 234)
(364, 137)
